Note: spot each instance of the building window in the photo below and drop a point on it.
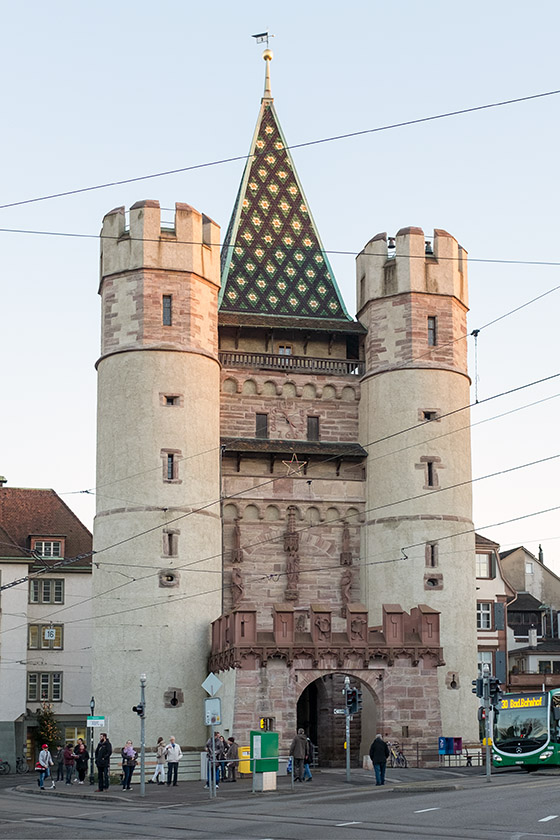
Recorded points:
(284, 349)
(45, 686)
(261, 428)
(171, 400)
(47, 548)
(170, 543)
(483, 565)
(312, 428)
(430, 474)
(432, 331)
(528, 568)
(429, 415)
(45, 637)
(170, 461)
(430, 464)
(485, 657)
(484, 616)
(431, 555)
(46, 591)
(167, 311)
(544, 666)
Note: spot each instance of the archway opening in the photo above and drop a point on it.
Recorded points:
(327, 729)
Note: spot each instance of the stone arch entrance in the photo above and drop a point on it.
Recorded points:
(315, 714)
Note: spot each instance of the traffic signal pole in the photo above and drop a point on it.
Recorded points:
(347, 719)
(143, 735)
(486, 699)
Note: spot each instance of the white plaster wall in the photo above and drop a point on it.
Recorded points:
(13, 642)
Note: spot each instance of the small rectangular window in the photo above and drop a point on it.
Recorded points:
(48, 548)
(312, 428)
(430, 473)
(170, 467)
(172, 401)
(46, 591)
(167, 313)
(429, 415)
(261, 427)
(431, 555)
(484, 616)
(45, 686)
(32, 686)
(45, 637)
(432, 331)
(284, 349)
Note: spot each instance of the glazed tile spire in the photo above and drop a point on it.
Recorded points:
(273, 261)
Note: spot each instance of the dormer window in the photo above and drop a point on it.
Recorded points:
(47, 548)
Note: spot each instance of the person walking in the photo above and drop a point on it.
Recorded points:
(69, 762)
(213, 753)
(307, 775)
(173, 755)
(298, 749)
(129, 756)
(103, 753)
(59, 759)
(160, 767)
(82, 759)
(379, 753)
(44, 764)
(232, 756)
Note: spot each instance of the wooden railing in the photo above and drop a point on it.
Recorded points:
(339, 367)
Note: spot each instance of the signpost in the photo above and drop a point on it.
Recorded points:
(97, 721)
(211, 686)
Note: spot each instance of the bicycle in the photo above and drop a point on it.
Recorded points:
(396, 756)
(4, 767)
(21, 765)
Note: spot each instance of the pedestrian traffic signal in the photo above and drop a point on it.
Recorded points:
(478, 687)
(495, 692)
(353, 700)
(139, 709)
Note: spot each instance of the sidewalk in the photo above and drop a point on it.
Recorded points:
(324, 782)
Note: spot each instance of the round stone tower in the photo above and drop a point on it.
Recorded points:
(157, 534)
(418, 544)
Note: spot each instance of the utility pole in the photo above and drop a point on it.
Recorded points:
(347, 718)
(91, 757)
(143, 734)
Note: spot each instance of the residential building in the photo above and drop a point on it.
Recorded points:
(45, 618)
(493, 592)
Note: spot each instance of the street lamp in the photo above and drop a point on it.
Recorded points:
(91, 764)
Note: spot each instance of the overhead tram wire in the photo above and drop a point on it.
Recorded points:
(303, 145)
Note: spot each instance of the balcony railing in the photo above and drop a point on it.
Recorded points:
(271, 361)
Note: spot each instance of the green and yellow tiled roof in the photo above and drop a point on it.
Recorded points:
(273, 261)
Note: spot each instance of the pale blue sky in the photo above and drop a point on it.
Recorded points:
(104, 91)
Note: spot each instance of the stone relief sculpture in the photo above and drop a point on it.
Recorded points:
(291, 547)
(345, 554)
(237, 587)
(346, 581)
(323, 625)
(237, 551)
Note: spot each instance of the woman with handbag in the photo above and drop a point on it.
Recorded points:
(129, 756)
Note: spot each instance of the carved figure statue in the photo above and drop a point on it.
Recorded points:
(357, 628)
(346, 587)
(237, 587)
(237, 552)
(323, 625)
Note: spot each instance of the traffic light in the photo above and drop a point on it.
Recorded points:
(478, 689)
(353, 700)
(495, 692)
(139, 709)
(358, 700)
(481, 713)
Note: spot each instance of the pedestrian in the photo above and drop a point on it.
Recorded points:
(214, 751)
(159, 774)
(44, 764)
(59, 759)
(129, 756)
(379, 753)
(298, 749)
(232, 756)
(82, 759)
(103, 753)
(69, 762)
(307, 775)
(173, 755)
(222, 750)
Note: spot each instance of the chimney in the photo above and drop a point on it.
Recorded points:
(541, 555)
(3, 480)
(532, 637)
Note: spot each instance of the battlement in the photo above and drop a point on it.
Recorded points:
(192, 244)
(410, 263)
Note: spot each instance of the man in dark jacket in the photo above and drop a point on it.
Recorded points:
(102, 759)
(379, 753)
(298, 749)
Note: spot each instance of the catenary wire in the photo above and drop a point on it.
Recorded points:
(308, 143)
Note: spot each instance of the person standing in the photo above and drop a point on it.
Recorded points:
(379, 753)
(213, 751)
(59, 758)
(44, 764)
(69, 762)
(173, 755)
(103, 753)
(129, 756)
(298, 749)
(159, 774)
(82, 758)
(232, 756)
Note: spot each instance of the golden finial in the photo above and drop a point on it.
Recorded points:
(268, 55)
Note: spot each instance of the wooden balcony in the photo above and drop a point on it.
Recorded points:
(533, 682)
(272, 361)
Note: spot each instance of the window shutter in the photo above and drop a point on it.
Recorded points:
(499, 616)
(501, 672)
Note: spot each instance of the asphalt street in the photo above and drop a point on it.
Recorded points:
(413, 804)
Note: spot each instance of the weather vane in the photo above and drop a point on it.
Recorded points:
(262, 37)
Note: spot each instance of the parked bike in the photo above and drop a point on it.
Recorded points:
(396, 756)
(21, 765)
(4, 767)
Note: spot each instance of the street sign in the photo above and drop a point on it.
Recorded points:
(50, 634)
(212, 711)
(96, 720)
(212, 684)
(339, 711)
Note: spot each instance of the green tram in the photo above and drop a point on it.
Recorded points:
(526, 730)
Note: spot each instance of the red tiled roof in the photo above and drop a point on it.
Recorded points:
(26, 512)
